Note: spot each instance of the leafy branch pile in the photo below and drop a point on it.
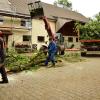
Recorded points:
(17, 62)
(37, 59)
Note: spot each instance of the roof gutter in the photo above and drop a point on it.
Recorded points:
(19, 15)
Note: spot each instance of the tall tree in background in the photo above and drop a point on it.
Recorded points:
(91, 30)
(63, 3)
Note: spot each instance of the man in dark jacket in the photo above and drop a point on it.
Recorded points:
(51, 52)
(2, 59)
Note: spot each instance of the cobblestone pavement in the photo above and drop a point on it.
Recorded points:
(73, 81)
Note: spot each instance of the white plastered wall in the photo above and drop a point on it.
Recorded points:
(17, 37)
(38, 29)
(68, 44)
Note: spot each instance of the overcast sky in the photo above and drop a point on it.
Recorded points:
(87, 7)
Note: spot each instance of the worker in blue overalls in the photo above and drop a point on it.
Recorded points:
(52, 48)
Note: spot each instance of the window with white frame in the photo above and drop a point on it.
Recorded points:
(26, 37)
(40, 38)
(76, 39)
(26, 23)
(70, 39)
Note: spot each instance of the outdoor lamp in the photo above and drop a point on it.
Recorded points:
(36, 9)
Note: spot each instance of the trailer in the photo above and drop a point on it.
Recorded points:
(90, 47)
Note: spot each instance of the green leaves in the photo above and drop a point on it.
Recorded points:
(16, 62)
(90, 30)
(63, 3)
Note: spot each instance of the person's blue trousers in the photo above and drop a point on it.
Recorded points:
(51, 57)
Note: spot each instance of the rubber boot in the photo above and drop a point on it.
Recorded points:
(4, 75)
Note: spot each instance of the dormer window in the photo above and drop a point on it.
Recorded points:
(26, 23)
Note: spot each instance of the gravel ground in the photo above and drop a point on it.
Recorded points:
(72, 81)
